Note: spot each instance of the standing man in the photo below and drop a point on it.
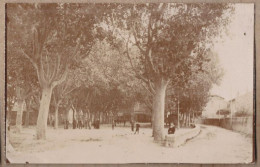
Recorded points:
(137, 128)
(113, 124)
(74, 123)
(89, 123)
(132, 125)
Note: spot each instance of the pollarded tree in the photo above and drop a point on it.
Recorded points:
(166, 35)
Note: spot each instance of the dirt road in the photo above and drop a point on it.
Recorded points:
(212, 145)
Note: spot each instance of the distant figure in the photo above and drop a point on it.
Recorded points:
(80, 124)
(52, 121)
(192, 126)
(98, 124)
(124, 122)
(132, 125)
(66, 124)
(171, 130)
(137, 128)
(113, 124)
(74, 124)
(89, 123)
(86, 123)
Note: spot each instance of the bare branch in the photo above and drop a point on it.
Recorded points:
(69, 91)
(56, 68)
(31, 60)
(76, 52)
(151, 86)
(128, 56)
(150, 61)
(147, 53)
(55, 96)
(148, 104)
(42, 72)
(150, 91)
(88, 52)
(137, 43)
(62, 79)
(150, 38)
(48, 67)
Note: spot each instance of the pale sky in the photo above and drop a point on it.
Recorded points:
(236, 54)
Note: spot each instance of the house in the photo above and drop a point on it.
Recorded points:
(138, 112)
(214, 104)
(142, 113)
(242, 104)
(29, 115)
(12, 112)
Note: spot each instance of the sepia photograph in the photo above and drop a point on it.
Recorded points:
(117, 83)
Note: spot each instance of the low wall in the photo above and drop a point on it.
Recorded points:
(238, 124)
(176, 140)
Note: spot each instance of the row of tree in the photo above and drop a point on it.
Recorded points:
(100, 57)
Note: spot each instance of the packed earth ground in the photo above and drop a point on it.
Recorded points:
(121, 145)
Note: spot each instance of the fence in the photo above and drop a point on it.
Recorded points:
(238, 124)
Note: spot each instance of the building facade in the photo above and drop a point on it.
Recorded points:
(214, 104)
(243, 103)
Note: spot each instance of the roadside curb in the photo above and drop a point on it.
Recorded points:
(178, 140)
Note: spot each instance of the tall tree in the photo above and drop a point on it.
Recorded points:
(21, 83)
(60, 93)
(166, 35)
(54, 38)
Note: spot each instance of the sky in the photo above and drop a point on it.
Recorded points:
(235, 52)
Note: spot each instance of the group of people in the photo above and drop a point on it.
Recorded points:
(79, 123)
(132, 126)
(137, 127)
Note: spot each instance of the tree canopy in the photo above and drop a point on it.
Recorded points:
(105, 56)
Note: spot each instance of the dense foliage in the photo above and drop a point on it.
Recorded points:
(99, 58)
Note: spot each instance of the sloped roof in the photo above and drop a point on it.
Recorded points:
(217, 96)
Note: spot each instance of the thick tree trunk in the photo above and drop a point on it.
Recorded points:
(43, 113)
(182, 120)
(193, 117)
(185, 120)
(19, 116)
(152, 123)
(189, 120)
(57, 116)
(158, 110)
(27, 118)
(73, 115)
